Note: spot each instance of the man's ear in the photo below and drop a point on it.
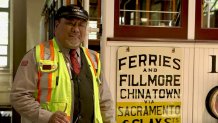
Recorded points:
(57, 23)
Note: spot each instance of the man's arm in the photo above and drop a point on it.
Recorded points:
(106, 102)
(23, 90)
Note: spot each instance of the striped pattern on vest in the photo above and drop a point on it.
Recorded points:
(54, 85)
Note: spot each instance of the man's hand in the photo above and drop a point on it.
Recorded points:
(59, 117)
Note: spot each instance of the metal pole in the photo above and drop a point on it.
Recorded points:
(86, 7)
(208, 12)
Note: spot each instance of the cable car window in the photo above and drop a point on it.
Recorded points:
(206, 22)
(150, 12)
(210, 14)
(150, 19)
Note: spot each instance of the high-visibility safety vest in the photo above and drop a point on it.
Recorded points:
(54, 83)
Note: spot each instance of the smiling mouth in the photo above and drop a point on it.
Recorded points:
(73, 35)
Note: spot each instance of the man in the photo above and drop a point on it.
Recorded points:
(58, 80)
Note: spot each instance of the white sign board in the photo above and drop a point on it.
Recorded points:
(149, 83)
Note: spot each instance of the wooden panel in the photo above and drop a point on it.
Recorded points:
(203, 82)
(188, 85)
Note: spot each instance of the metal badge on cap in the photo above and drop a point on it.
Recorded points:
(77, 10)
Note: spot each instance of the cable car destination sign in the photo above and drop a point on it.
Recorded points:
(149, 81)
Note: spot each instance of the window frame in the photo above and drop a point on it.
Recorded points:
(154, 32)
(8, 45)
(203, 33)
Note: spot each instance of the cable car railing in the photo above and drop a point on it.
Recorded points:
(138, 19)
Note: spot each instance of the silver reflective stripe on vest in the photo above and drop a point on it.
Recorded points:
(45, 78)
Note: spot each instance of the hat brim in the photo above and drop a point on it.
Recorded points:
(75, 16)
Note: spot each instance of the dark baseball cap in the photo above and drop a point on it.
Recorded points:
(71, 11)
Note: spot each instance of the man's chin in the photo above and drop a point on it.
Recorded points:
(74, 46)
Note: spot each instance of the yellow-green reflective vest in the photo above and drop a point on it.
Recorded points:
(54, 83)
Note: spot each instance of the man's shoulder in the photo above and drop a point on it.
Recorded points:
(92, 51)
(46, 46)
(94, 55)
(44, 43)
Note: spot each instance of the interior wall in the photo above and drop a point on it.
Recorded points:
(34, 10)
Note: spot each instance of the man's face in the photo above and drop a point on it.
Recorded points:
(70, 32)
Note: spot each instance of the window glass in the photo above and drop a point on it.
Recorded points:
(3, 50)
(210, 14)
(3, 28)
(150, 12)
(3, 61)
(4, 3)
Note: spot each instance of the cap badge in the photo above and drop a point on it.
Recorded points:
(77, 10)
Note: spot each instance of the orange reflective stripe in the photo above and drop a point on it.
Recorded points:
(50, 74)
(97, 61)
(69, 118)
(96, 55)
(41, 51)
(88, 54)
